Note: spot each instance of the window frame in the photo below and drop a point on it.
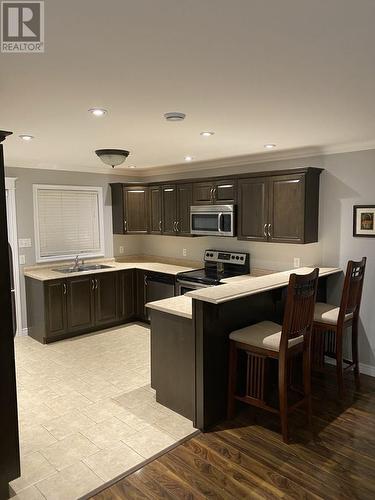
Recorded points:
(57, 187)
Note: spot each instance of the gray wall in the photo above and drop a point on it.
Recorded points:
(24, 204)
(348, 179)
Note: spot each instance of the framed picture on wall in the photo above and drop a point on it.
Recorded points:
(364, 221)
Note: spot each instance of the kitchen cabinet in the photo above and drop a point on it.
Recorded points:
(80, 303)
(176, 202)
(106, 294)
(279, 208)
(55, 296)
(127, 295)
(129, 209)
(215, 192)
(140, 286)
(155, 209)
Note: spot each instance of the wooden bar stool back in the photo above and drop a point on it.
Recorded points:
(331, 322)
(266, 340)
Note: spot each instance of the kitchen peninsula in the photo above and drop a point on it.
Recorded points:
(195, 328)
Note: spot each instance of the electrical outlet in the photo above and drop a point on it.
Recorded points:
(121, 249)
(184, 252)
(297, 262)
(22, 259)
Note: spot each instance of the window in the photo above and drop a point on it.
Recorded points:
(68, 221)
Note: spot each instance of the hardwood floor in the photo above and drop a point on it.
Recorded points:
(246, 458)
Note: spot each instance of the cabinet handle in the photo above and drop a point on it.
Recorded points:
(145, 279)
(265, 230)
(64, 288)
(177, 223)
(212, 194)
(125, 225)
(92, 284)
(269, 230)
(96, 284)
(160, 226)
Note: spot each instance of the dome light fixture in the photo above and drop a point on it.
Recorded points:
(207, 133)
(189, 158)
(26, 137)
(175, 116)
(112, 157)
(98, 111)
(269, 146)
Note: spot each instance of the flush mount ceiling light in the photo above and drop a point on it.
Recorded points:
(26, 137)
(189, 158)
(269, 146)
(207, 133)
(113, 157)
(97, 111)
(174, 116)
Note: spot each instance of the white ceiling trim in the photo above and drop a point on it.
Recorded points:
(233, 161)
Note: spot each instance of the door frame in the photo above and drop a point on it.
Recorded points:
(10, 186)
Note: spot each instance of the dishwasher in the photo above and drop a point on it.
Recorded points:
(158, 286)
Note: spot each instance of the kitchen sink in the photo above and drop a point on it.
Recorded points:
(81, 269)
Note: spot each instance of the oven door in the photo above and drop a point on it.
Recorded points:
(212, 220)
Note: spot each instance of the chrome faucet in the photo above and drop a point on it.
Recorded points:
(76, 262)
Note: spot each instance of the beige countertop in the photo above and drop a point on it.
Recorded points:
(45, 273)
(181, 305)
(249, 285)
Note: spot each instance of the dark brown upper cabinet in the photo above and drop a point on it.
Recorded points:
(129, 209)
(215, 192)
(279, 208)
(176, 202)
(155, 209)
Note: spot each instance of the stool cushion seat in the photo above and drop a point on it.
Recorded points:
(266, 335)
(327, 313)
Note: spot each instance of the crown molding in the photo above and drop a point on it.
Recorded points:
(143, 173)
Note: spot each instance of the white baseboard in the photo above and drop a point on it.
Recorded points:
(363, 368)
(23, 333)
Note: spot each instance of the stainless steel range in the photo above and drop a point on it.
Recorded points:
(218, 265)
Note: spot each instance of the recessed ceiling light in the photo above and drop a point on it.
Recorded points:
(207, 133)
(26, 137)
(269, 146)
(188, 158)
(174, 116)
(132, 166)
(98, 111)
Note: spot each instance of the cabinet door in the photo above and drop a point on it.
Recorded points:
(127, 294)
(184, 202)
(287, 208)
(80, 303)
(136, 210)
(56, 293)
(225, 192)
(253, 209)
(106, 303)
(141, 294)
(203, 193)
(169, 218)
(155, 209)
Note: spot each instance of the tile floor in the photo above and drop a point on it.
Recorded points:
(87, 412)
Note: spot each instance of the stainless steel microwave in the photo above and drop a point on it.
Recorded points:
(214, 220)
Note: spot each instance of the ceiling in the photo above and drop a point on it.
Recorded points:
(297, 73)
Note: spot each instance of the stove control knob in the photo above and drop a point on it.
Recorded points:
(242, 258)
(237, 257)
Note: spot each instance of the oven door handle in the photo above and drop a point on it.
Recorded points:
(190, 284)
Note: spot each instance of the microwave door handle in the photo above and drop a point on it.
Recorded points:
(220, 219)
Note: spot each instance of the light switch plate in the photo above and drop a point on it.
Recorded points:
(121, 249)
(22, 259)
(297, 262)
(24, 243)
(184, 252)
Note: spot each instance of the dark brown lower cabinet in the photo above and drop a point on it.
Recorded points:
(55, 297)
(127, 295)
(80, 303)
(106, 303)
(141, 284)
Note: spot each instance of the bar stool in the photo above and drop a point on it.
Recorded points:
(267, 340)
(331, 322)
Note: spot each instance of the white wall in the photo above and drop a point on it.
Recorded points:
(348, 179)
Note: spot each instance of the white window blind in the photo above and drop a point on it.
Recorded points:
(68, 221)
